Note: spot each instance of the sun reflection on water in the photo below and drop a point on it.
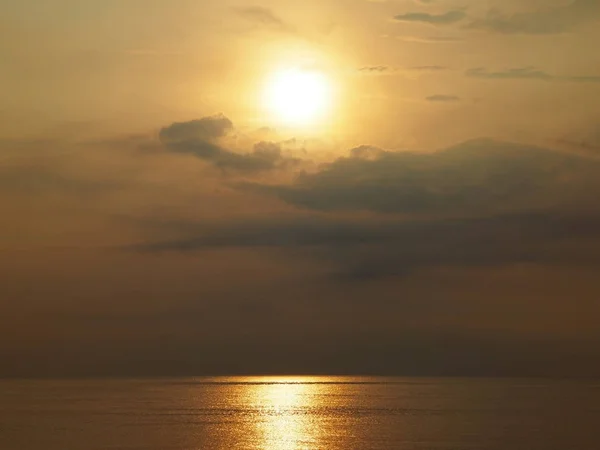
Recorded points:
(286, 414)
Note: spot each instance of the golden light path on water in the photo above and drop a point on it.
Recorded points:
(347, 413)
(285, 405)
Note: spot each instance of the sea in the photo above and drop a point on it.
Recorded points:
(291, 413)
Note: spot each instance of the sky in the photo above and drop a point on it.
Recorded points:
(438, 216)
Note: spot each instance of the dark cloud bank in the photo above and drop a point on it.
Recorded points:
(480, 203)
(478, 177)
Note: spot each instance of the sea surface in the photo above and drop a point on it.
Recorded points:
(300, 413)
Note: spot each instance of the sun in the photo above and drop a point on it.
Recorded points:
(298, 97)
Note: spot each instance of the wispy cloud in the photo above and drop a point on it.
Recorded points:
(390, 70)
(367, 250)
(428, 68)
(376, 69)
(427, 39)
(443, 98)
(528, 73)
(264, 17)
(448, 18)
(543, 21)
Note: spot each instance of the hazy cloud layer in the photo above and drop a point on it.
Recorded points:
(479, 209)
(138, 256)
(375, 249)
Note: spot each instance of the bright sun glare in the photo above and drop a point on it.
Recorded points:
(298, 97)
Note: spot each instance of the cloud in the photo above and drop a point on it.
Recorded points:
(481, 203)
(476, 176)
(376, 69)
(409, 71)
(367, 249)
(263, 17)
(429, 68)
(204, 129)
(324, 231)
(443, 98)
(542, 21)
(527, 73)
(383, 68)
(448, 18)
(201, 139)
(510, 74)
(427, 39)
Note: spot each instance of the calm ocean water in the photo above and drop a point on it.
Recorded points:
(300, 413)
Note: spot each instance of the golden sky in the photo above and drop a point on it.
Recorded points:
(209, 179)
